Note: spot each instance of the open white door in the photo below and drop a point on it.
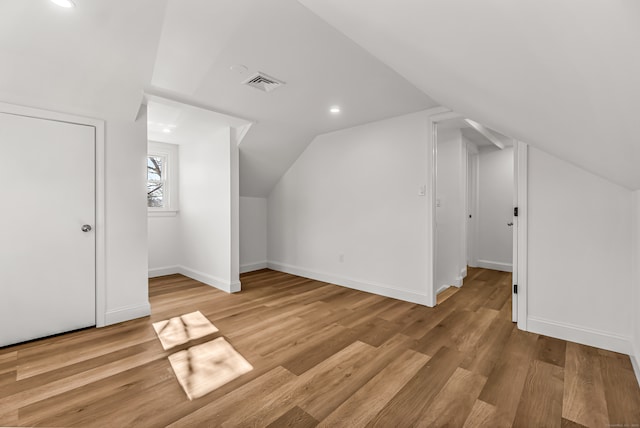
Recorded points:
(514, 276)
(47, 236)
(520, 236)
(520, 263)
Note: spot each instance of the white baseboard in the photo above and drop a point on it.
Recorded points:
(235, 287)
(463, 273)
(127, 313)
(169, 270)
(442, 288)
(229, 287)
(250, 267)
(487, 264)
(367, 286)
(582, 335)
(219, 283)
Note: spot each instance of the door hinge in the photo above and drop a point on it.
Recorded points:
(515, 212)
(515, 288)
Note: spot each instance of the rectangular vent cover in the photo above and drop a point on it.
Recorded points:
(263, 82)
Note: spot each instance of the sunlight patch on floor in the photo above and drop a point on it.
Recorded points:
(204, 368)
(179, 330)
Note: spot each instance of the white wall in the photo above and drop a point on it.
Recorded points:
(579, 245)
(201, 241)
(635, 357)
(164, 235)
(234, 210)
(253, 234)
(495, 238)
(126, 220)
(206, 188)
(164, 245)
(450, 209)
(355, 193)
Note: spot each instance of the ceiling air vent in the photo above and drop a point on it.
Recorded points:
(263, 82)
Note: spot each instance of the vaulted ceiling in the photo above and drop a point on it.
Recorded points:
(94, 59)
(560, 75)
(202, 39)
(100, 56)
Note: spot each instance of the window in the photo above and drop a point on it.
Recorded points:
(162, 179)
(156, 181)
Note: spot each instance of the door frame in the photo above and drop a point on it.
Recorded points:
(99, 139)
(435, 115)
(473, 161)
(520, 238)
(440, 114)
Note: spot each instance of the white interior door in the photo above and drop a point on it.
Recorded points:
(47, 260)
(472, 210)
(514, 275)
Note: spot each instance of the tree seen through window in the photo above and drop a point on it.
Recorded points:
(155, 181)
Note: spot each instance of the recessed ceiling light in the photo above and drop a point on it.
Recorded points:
(334, 109)
(166, 131)
(64, 3)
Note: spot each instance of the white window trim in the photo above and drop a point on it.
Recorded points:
(171, 192)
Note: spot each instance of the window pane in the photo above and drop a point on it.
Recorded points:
(155, 195)
(155, 168)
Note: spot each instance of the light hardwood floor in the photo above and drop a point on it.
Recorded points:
(445, 294)
(324, 355)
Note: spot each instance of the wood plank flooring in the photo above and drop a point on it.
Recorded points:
(325, 356)
(445, 294)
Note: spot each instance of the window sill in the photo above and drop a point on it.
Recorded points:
(163, 213)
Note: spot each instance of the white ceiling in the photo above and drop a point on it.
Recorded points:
(560, 75)
(94, 59)
(563, 76)
(202, 39)
(473, 135)
(99, 57)
(177, 123)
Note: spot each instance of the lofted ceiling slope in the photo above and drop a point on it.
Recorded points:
(99, 57)
(563, 76)
(201, 40)
(94, 59)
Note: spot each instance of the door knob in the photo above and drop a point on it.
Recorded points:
(510, 224)
(86, 228)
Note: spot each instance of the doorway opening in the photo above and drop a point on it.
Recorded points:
(192, 173)
(475, 193)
